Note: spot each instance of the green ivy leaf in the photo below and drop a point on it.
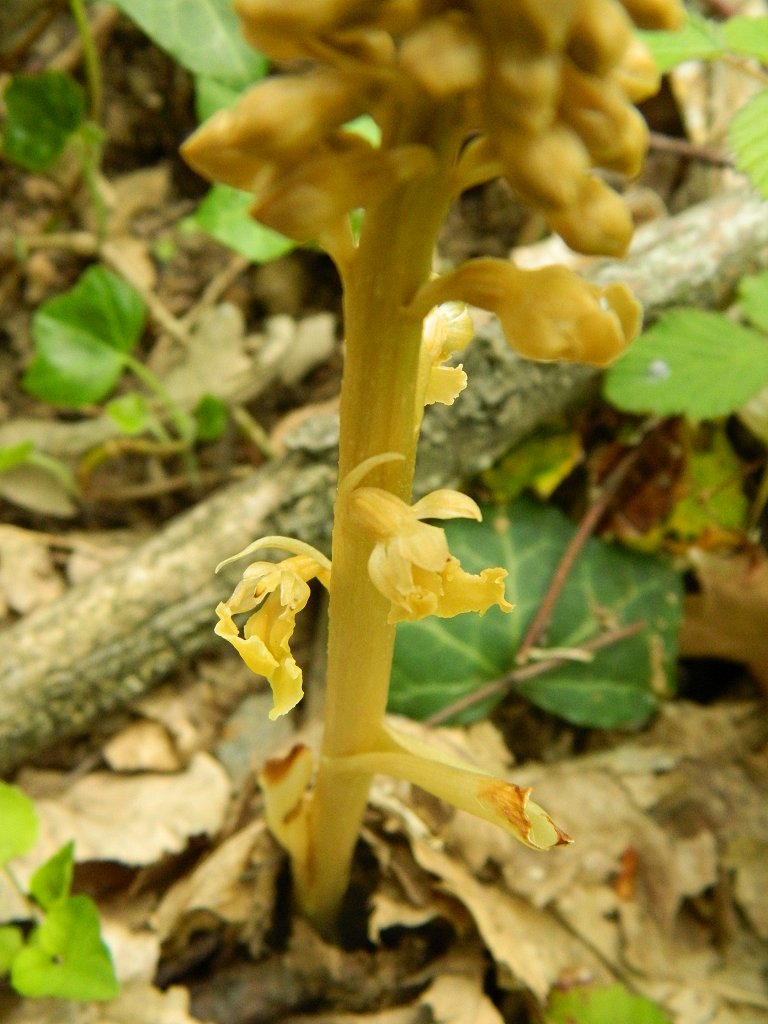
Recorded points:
(593, 1004)
(690, 362)
(753, 298)
(42, 113)
(52, 881)
(65, 957)
(211, 417)
(698, 39)
(80, 337)
(748, 138)
(130, 412)
(11, 941)
(18, 823)
(204, 37)
(224, 214)
(440, 660)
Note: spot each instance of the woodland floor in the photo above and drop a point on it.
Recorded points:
(665, 890)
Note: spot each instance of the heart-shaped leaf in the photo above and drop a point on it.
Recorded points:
(65, 957)
(438, 661)
(81, 337)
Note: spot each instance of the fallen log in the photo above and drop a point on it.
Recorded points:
(108, 640)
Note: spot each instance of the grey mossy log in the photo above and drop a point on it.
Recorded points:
(107, 641)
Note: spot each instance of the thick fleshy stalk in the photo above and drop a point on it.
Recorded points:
(379, 413)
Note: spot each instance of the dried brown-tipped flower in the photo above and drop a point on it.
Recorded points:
(548, 86)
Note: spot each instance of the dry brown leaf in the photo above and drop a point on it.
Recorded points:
(132, 258)
(727, 618)
(28, 577)
(136, 1004)
(193, 713)
(34, 488)
(397, 1015)
(456, 996)
(530, 947)
(650, 818)
(142, 746)
(236, 884)
(133, 820)
(747, 857)
(132, 193)
(135, 951)
(219, 329)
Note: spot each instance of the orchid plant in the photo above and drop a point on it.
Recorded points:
(463, 91)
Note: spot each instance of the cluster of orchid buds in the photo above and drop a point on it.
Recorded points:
(462, 91)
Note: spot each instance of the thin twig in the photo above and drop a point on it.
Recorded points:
(215, 288)
(670, 144)
(91, 61)
(520, 675)
(101, 24)
(585, 529)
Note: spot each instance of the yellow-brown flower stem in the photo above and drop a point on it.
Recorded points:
(378, 415)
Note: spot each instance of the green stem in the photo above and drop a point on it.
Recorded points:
(378, 414)
(182, 421)
(90, 58)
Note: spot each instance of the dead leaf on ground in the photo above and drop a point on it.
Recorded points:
(136, 1004)
(28, 577)
(727, 618)
(657, 821)
(235, 885)
(133, 820)
(142, 746)
(35, 489)
(220, 329)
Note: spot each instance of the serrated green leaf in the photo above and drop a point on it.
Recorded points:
(130, 412)
(211, 417)
(65, 957)
(440, 660)
(13, 455)
(224, 214)
(698, 39)
(748, 36)
(42, 113)
(11, 941)
(753, 298)
(53, 880)
(593, 1004)
(748, 137)
(690, 362)
(204, 37)
(18, 823)
(80, 337)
